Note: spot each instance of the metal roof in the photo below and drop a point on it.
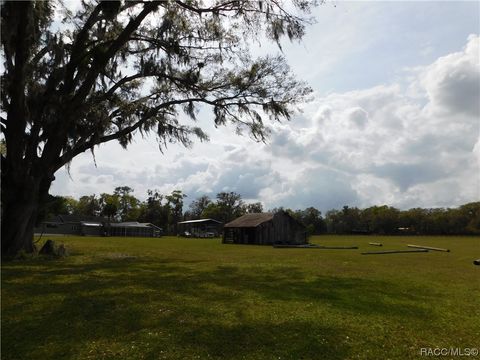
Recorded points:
(131, 224)
(78, 218)
(199, 221)
(84, 223)
(250, 220)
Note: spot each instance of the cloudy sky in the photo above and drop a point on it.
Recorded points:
(395, 120)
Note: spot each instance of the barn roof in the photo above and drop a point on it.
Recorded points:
(250, 220)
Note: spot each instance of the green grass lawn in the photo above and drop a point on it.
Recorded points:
(175, 298)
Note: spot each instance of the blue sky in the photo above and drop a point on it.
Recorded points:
(394, 120)
(367, 43)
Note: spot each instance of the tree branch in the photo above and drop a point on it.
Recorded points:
(78, 48)
(86, 144)
(101, 60)
(54, 145)
(219, 7)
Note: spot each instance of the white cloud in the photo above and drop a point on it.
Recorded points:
(452, 83)
(395, 148)
(413, 142)
(318, 186)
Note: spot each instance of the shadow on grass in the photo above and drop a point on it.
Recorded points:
(55, 309)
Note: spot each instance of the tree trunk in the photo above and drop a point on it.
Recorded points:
(21, 198)
(18, 221)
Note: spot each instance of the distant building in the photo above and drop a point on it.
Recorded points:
(71, 225)
(96, 226)
(134, 229)
(265, 229)
(200, 228)
(90, 228)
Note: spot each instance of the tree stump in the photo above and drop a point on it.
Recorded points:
(50, 248)
(62, 251)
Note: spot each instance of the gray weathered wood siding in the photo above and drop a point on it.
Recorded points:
(281, 229)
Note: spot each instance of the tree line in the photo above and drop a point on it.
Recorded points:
(166, 210)
(163, 210)
(463, 220)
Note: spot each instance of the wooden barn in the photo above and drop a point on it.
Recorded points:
(265, 229)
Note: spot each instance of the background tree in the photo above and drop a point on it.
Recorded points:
(175, 208)
(230, 205)
(333, 221)
(252, 208)
(213, 211)
(165, 212)
(276, 209)
(57, 205)
(414, 220)
(312, 219)
(153, 210)
(470, 213)
(198, 206)
(128, 209)
(88, 205)
(115, 68)
(109, 205)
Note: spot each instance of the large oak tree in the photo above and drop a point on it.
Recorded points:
(74, 80)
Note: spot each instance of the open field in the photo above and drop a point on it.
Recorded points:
(175, 298)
